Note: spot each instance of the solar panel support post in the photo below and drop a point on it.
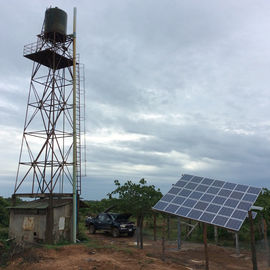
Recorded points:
(205, 246)
(155, 226)
(178, 233)
(168, 227)
(163, 240)
(266, 245)
(237, 243)
(252, 241)
(216, 234)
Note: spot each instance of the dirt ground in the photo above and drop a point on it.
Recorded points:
(107, 253)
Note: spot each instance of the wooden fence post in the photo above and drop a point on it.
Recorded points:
(266, 245)
(252, 242)
(155, 227)
(168, 227)
(178, 233)
(163, 239)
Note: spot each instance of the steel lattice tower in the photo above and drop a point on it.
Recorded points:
(45, 162)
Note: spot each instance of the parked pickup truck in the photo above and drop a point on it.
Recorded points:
(111, 222)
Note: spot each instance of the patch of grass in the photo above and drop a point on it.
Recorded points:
(94, 244)
(58, 245)
(82, 235)
(4, 253)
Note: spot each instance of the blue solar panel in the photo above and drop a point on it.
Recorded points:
(183, 211)
(218, 183)
(181, 183)
(178, 200)
(219, 200)
(220, 221)
(239, 214)
(208, 200)
(172, 208)
(168, 198)
(250, 198)
(213, 190)
(191, 186)
(225, 211)
(244, 206)
(207, 217)
(207, 181)
(231, 203)
(184, 192)
(207, 197)
(196, 179)
(229, 185)
(213, 208)
(189, 203)
(242, 188)
(237, 195)
(194, 214)
(234, 224)
(196, 195)
(254, 190)
(201, 205)
(174, 190)
(224, 192)
(160, 205)
(201, 188)
(186, 177)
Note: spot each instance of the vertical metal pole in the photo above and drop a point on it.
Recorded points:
(252, 242)
(178, 233)
(216, 234)
(237, 243)
(168, 227)
(205, 246)
(74, 130)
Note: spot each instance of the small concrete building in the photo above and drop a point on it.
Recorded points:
(29, 221)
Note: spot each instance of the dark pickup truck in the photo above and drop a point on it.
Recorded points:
(111, 222)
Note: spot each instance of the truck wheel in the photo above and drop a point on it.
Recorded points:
(92, 229)
(115, 232)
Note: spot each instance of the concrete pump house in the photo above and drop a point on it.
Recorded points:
(29, 221)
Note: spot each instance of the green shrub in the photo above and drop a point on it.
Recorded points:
(82, 236)
(3, 233)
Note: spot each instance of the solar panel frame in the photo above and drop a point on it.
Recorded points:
(212, 201)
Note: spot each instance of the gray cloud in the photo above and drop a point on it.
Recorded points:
(172, 87)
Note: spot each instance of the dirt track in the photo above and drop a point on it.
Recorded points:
(120, 254)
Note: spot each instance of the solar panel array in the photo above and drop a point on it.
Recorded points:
(216, 202)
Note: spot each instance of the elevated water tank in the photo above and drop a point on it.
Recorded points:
(55, 24)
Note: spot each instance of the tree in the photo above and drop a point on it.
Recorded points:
(4, 215)
(137, 199)
(264, 201)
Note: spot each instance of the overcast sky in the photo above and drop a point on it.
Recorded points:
(172, 87)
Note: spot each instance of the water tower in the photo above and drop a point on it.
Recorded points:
(49, 170)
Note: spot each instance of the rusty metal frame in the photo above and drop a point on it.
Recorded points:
(45, 160)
